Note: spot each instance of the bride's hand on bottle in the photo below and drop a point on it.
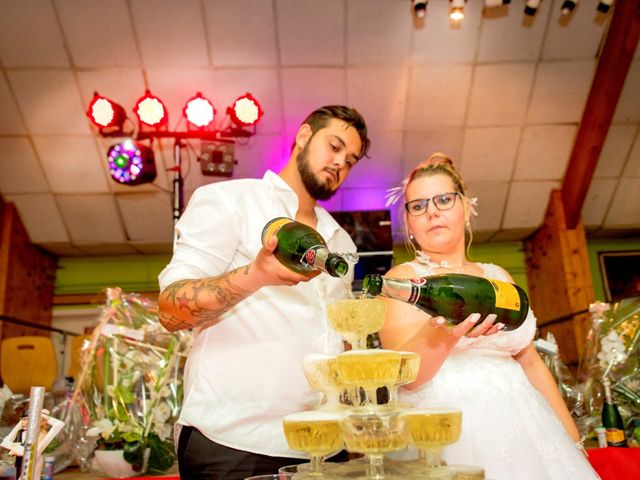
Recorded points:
(471, 326)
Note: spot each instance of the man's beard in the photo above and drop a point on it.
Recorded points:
(317, 190)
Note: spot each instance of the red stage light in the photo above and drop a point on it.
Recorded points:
(246, 111)
(151, 111)
(199, 111)
(105, 114)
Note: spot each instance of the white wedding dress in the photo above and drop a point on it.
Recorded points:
(508, 428)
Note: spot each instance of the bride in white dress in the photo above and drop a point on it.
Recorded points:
(514, 421)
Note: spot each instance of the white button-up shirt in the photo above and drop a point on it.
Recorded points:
(244, 374)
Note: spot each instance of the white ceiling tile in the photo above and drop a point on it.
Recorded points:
(148, 248)
(20, 171)
(29, 35)
(628, 109)
(124, 86)
(383, 167)
(481, 236)
(262, 83)
(379, 94)
(41, 217)
(439, 41)
(491, 198)
(632, 167)
(50, 101)
(241, 33)
(513, 234)
(489, 153)
(615, 150)
(173, 35)
(625, 207)
(91, 219)
(305, 89)
(437, 96)
(575, 36)
(512, 36)
(527, 203)
(98, 33)
(378, 31)
(544, 152)
(10, 120)
(311, 32)
(62, 249)
(418, 146)
(560, 92)
(72, 164)
(500, 93)
(147, 216)
(109, 249)
(597, 200)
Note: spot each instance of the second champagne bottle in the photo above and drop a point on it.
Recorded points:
(302, 249)
(455, 296)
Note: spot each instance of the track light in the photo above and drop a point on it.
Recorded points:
(531, 7)
(151, 111)
(568, 6)
(420, 7)
(496, 3)
(131, 163)
(199, 111)
(106, 114)
(456, 10)
(246, 111)
(604, 5)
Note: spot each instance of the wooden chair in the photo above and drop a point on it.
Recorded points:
(26, 362)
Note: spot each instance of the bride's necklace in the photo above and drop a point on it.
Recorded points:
(425, 259)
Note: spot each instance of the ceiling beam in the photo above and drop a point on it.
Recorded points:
(611, 72)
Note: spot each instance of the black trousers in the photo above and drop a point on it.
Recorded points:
(201, 459)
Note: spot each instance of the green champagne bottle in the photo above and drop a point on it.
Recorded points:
(455, 296)
(611, 419)
(302, 249)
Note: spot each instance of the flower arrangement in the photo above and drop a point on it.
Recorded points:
(130, 384)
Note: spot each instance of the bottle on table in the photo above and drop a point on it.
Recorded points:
(455, 296)
(611, 419)
(302, 249)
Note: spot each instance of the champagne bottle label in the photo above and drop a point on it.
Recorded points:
(272, 228)
(506, 295)
(615, 436)
(416, 283)
(315, 256)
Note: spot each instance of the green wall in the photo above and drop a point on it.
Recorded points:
(138, 273)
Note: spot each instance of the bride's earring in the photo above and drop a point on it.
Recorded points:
(411, 237)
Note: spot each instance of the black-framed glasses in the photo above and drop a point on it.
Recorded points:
(442, 201)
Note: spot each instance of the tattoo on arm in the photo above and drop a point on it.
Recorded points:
(201, 302)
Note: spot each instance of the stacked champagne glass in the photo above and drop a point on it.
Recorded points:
(361, 409)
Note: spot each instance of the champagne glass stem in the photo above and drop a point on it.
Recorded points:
(315, 466)
(431, 456)
(376, 467)
(358, 343)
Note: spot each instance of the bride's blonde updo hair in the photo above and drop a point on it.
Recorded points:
(437, 163)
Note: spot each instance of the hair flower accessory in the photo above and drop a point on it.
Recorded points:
(395, 193)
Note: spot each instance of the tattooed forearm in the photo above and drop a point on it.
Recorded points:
(200, 302)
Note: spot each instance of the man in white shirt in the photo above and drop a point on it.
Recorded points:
(256, 319)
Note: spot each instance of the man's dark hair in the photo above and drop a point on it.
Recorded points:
(318, 119)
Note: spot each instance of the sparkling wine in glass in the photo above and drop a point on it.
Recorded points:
(374, 433)
(321, 372)
(431, 429)
(354, 319)
(409, 367)
(369, 369)
(317, 433)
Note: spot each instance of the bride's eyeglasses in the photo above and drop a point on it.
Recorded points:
(443, 201)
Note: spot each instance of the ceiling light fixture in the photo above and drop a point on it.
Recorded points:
(456, 10)
(568, 6)
(420, 7)
(604, 5)
(531, 7)
(106, 114)
(151, 111)
(199, 111)
(246, 111)
(131, 163)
